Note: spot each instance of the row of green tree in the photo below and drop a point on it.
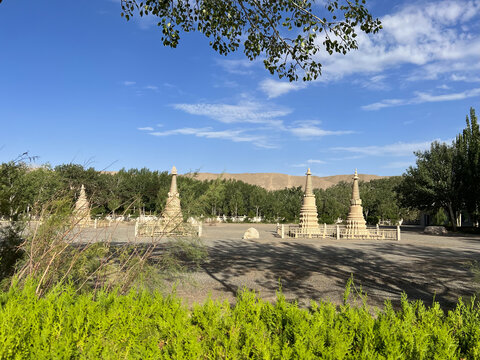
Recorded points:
(446, 177)
(23, 190)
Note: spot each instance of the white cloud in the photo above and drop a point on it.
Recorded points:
(313, 161)
(274, 88)
(377, 82)
(250, 112)
(437, 37)
(129, 83)
(464, 78)
(308, 163)
(423, 97)
(237, 135)
(384, 104)
(237, 66)
(310, 129)
(146, 128)
(146, 22)
(226, 84)
(343, 158)
(243, 112)
(397, 149)
(151, 87)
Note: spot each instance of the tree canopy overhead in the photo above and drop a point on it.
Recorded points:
(286, 34)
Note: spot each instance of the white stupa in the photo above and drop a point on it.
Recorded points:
(81, 213)
(356, 225)
(172, 213)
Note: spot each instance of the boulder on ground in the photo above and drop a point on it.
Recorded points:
(251, 233)
(435, 230)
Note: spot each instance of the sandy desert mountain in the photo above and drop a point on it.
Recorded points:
(275, 181)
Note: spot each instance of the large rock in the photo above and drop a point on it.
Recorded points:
(251, 233)
(435, 230)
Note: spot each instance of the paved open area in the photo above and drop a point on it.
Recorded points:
(423, 266)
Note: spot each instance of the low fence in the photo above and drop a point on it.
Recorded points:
(96, 223)
(386, 233)
(338, 232)
(159, 229)
(323, 231)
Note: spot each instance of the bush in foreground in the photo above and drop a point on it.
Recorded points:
(145, 325)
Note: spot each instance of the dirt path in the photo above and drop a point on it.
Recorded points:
(423, 266)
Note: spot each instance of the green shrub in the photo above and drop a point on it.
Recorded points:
(54, 251)
(10, 248)
(147, 325)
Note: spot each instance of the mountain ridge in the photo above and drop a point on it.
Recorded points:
(278, 181)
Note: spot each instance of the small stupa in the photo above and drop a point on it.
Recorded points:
(356, 225)
(172, 213)
(308, 212)
(82, 208)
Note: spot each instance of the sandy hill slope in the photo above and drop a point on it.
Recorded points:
(275, 181)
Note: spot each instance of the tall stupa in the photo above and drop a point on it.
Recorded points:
(308, 211)
(82, 208)
(172, 214)
(356, 225)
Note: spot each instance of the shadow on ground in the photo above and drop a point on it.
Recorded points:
(383, 270)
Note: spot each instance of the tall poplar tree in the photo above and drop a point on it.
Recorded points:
(431, 185)
(467, 164)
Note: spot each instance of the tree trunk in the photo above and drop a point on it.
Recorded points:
(453, 219)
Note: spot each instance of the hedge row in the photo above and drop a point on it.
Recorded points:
(142, 325)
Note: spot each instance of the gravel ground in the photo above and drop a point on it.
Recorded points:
(422, 266)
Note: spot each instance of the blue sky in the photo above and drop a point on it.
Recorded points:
(80, 84)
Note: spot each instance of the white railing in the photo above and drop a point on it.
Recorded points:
(280, 230)
(159, 229)
(338, 232)
(96, 223)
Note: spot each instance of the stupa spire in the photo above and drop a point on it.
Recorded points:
(173, 185)
(356, 225)
(355, 191)
(82, 203)
(82, 208)
(308, 211)
(308, 184)
(172, 213)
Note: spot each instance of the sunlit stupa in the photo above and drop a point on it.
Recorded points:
(172, 213)
(308, 211)
(356, 225)
(81, 213)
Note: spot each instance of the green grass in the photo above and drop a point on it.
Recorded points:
(144, 325)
